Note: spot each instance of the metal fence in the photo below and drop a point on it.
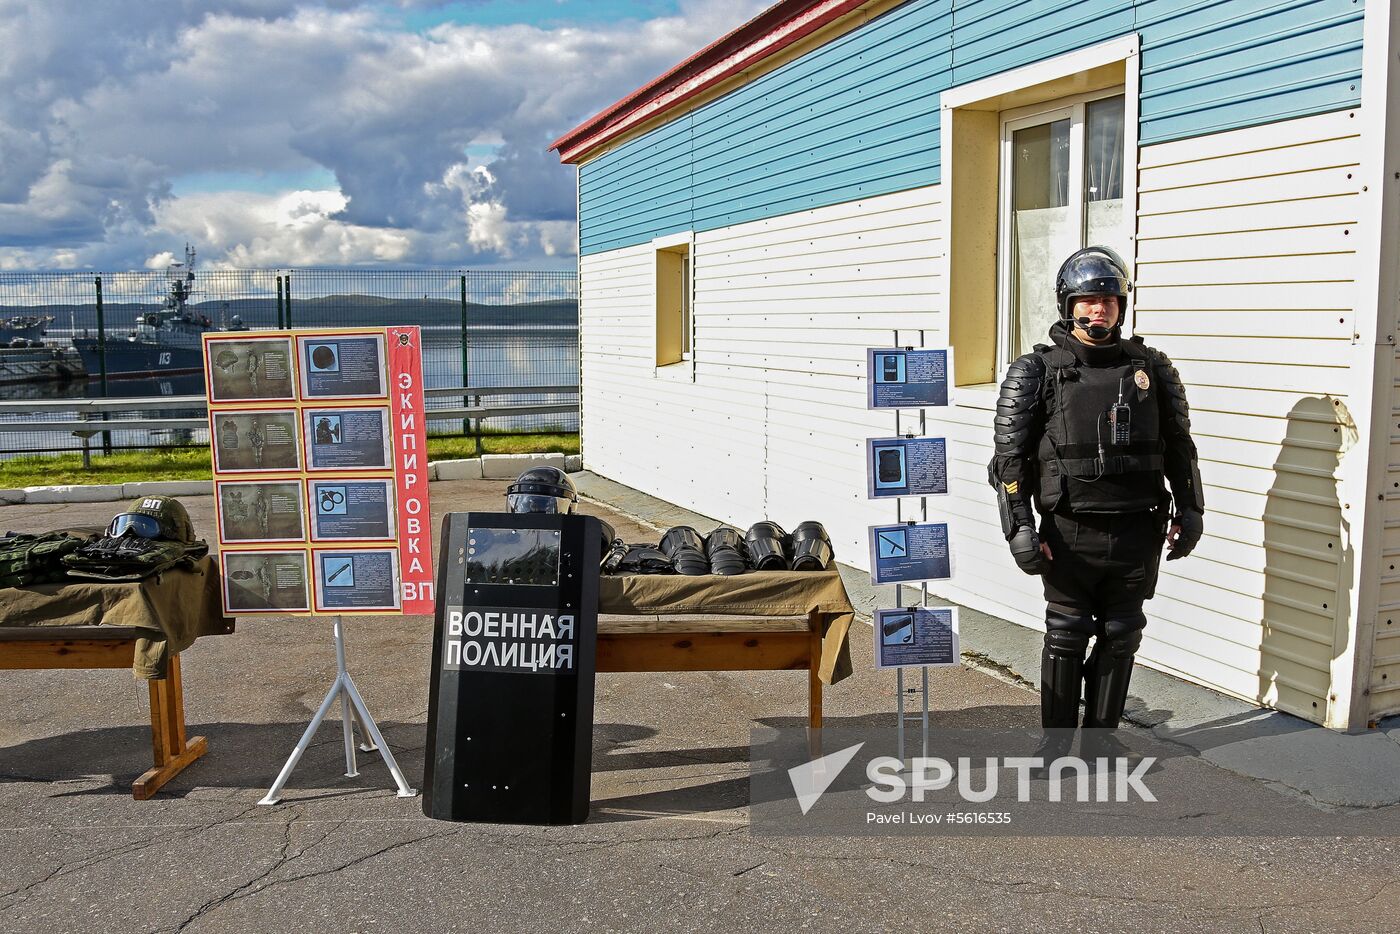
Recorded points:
(136, 334)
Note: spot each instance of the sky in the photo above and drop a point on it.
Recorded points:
(280, 133)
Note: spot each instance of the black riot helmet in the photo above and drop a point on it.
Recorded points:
(542, 489)
(1094, 270)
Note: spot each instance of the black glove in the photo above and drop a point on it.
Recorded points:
(1025, 548)
(1192, 525)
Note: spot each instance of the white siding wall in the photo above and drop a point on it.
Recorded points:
(774, 424)
(1245, 270)
(1384, 677)
(1246, 278)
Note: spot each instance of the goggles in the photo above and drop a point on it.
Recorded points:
(136, 523)
(538, 502)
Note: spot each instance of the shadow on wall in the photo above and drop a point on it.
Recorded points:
(1308, 558)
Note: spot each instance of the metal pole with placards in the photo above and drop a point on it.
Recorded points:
(910, 551)
(510, 708)
(321, 491)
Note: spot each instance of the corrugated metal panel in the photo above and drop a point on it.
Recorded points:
(859, 116)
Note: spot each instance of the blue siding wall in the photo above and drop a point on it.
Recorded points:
(859, 116)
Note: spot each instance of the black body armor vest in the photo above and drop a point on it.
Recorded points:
(1101, 450)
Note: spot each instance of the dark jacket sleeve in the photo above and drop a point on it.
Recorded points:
(1179, 454)
(1019, 422)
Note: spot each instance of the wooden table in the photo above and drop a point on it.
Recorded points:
(42, 647)
(715, 642)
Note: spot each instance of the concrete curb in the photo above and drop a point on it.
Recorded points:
(73, 494)
(168, 488)
(510, 466)
(464, 469)
(1291, 755)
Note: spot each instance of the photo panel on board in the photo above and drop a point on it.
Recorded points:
(249, 441)
(265, 581)
(249, 369)
(260, 511)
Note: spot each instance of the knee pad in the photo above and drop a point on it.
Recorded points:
(1118, 625)
(1061, 620)
(1061, 643)
(1124, 645)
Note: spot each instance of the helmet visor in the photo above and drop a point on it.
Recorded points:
(136, 523)
(536, 502)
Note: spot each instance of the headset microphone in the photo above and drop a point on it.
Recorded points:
(1097, 331)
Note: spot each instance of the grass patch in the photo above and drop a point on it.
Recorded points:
(441, 448)
(193, 463)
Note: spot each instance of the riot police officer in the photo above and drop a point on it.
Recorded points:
(1087, 429)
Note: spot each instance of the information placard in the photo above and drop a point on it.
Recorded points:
(264, 582)
(252, 368)
(910, 552)
(363, 579)
(346, 439)
(908, 378)
(335, 473)
(906, 467)
(338, 365)
(255, 441)
(913, 637)
(352, 510)
(260, 511)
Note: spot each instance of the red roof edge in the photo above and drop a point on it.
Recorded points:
(769, 32)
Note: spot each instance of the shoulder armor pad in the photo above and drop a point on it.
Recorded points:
(1169, 380)
(1027, 366)
(1018, 402)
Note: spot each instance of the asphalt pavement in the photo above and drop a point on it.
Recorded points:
(668, 846)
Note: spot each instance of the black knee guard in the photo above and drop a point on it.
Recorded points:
(1110, 669)
(1062, 668)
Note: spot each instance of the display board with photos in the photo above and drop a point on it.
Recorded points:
(319, 447)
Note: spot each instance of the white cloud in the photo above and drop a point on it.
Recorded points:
(103, 105)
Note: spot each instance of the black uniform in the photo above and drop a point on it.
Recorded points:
(1089, 432)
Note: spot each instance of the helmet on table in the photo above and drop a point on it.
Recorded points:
(155, 517)
(544, 490)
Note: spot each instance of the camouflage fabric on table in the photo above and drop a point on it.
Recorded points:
(35, 559)
(130, 558)
(152, 535)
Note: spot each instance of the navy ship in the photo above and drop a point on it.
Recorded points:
(164, 342)
(24, 330)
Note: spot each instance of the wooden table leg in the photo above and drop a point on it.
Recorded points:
(169, 747)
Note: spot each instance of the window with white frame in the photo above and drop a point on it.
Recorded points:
(1061, 188)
